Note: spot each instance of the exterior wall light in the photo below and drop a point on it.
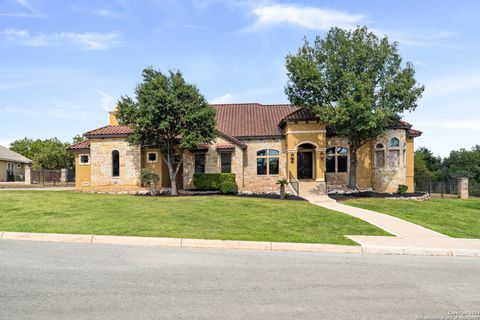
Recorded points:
(322, 155)
(292, 158)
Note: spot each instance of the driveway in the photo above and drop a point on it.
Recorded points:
(44, 280)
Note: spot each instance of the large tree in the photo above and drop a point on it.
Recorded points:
(46, 154)
(354, 81)
(169, 113)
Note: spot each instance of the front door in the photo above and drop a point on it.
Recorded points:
(10, 172)
(305, 165)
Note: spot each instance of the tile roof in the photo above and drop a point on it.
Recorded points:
(9, 155)
(109, 131)
(412, 133)
(79, 146)
(225, 146)
(246, 120)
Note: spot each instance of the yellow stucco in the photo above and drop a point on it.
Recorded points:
(364, 166)
(410, 157)
(82, 173)
(112, 118)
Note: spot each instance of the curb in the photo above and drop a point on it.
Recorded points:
(235, 244)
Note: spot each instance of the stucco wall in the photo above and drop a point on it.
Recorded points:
(3, 171)
(82, 173)
(410, 155)
(101, 163)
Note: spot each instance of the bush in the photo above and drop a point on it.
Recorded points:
(228, 187)
(211, 181)
(149, 177)
(402, 189)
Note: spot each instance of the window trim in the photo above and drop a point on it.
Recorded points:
(204, 154)
(222, 154)
(267, 158)
(148, 156)
(80, 159)
(113, 165)
(380, 147)
(336, 155)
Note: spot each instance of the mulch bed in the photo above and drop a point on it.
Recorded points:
(371, 194)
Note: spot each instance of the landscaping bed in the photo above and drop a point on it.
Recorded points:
(202, 217)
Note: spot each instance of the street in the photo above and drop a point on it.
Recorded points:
(44, 280)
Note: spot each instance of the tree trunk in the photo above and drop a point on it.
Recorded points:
(172, 172)
(352, 176)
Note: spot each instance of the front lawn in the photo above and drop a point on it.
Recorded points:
(205, 217)
(453, 217)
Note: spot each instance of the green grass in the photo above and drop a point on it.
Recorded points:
(204, 217)
(453, 217)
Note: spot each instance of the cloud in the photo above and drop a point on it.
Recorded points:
(465, 82)
(108, 101)
(226, 98)
(27, 11)
(104, 12)
(307, 17)
(86, 40)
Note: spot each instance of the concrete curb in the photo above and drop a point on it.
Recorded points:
(235, 244)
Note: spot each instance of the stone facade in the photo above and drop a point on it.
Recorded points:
(393, 173)
(101, 163)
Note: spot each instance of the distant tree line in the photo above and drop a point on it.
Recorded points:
(48, 154)
(460, 163)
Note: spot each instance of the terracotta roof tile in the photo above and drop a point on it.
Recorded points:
(225, 146)
(251, 119)
(79, 146)
(109, 131)
(412, 133)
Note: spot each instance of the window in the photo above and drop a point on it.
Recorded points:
(394, 157)
(152, 157)
(84, 159)
(226, 162)
(394, 143)
(268, 162)
(200, 162)
(379, 155)
(115, 163)
(337, 159)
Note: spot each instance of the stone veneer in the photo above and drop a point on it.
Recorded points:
(101, 163)
(263, 183)
(388, 178)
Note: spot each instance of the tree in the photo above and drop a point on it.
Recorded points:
(427, 166)
(79, 138)
(354, 81)
(169, 113)
(45, 154)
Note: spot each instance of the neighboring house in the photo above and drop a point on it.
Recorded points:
(12, 165)
(260, 144)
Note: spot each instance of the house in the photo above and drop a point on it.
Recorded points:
(12, 165)
(260, 144)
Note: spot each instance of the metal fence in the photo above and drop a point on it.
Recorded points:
(445, 187)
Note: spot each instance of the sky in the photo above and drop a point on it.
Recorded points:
(64, 64)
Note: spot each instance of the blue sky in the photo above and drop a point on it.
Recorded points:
(63, 64)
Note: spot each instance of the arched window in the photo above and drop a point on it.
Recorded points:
(115, 163)
(337, 159)
(268, 162)
(379, 155)
(394, 143)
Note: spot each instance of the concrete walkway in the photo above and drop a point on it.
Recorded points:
(40, 189)
(409, 237)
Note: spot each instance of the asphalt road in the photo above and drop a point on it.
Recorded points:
(40, 280)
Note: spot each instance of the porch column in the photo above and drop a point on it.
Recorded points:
(292, 163)
(28, 174)
(320, 164)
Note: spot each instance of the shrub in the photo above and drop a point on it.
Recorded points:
(228, 187)
(150, 177)
(211, 181)
(402, 189)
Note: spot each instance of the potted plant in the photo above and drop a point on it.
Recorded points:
(282, 182)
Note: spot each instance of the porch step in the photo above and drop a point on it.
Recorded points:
(313, 188)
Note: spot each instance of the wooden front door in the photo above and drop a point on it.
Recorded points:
(305, 165)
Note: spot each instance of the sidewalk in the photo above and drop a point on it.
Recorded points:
(406, 249)
(409, 237)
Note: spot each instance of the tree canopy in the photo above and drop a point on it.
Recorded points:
(45, 154)
(169, 113)
(354, 81)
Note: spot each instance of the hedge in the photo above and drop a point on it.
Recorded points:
(211, 181)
